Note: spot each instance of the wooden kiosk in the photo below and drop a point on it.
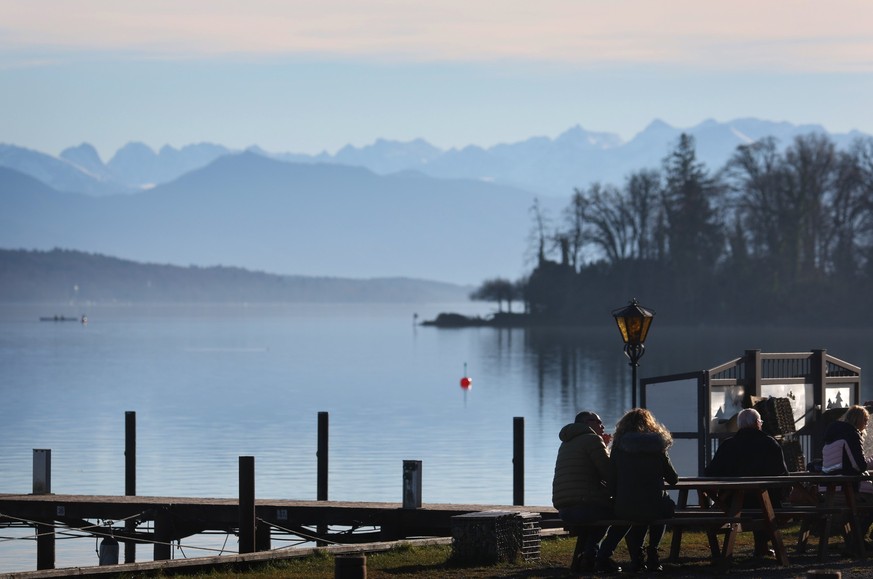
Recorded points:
(700, 407)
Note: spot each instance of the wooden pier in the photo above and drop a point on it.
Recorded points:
(160, 521)
(164, 521)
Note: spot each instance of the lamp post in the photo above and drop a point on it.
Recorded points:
(633, 322)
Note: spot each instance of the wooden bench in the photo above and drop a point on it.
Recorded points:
(693, 519)
(714, 516)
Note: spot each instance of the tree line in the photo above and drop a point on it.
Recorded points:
(779, 234)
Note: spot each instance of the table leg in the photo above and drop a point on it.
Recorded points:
(857, 532)
(773, 528)
(676, 542)
(736, 506)
(825, 528)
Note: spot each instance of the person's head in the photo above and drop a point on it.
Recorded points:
(641, 420)
(590, 419)
(749, 418)
(857, 416)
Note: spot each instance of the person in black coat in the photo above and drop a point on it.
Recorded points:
(642, 465)
(843, 453)
(750, 452)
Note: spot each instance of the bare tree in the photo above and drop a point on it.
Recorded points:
(497, 290)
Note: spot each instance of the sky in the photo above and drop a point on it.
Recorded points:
(307, 77)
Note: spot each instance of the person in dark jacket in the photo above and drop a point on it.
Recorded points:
(750, 452)
(843, 453)
(582, 491)
(642, 465)
(844, 439)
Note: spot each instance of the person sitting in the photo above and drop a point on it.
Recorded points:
(639, 455)
(843, 453)
(750, 452)
(582, 492)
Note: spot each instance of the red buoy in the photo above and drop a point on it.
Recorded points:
(466, 382)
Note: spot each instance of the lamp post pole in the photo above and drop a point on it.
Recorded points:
(634, 353)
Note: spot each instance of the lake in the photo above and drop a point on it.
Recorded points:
(212, 383)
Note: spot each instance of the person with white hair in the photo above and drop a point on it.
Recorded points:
(750, 452)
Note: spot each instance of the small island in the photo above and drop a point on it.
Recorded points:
(496, 320)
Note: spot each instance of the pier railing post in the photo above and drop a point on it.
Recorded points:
(518, 460)
(247, 519)
(45, 546)
(130, 478)
(322, 456)
(42, 471)
(321, 468)
(163, 535)
(412, 484)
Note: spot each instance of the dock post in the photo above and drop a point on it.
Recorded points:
(262, 537)
(45, 546)
(247, 519)
(412, 484)
(130, 478)
(322, 456)
(321, 469)
(42, 471)
(163, 536)
(518, 460)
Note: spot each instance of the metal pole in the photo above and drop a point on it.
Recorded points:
(634, 366)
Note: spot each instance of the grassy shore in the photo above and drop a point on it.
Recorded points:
(435, 562)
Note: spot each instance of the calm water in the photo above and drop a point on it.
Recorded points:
(211, 384)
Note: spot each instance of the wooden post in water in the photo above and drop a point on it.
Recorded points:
(247, 520)
(321, 469)
(130, 478)
(322, 456)
(45, 546)
(42, 471)
(262, 537)
(518, 460)
(163, 536)
(45, 531)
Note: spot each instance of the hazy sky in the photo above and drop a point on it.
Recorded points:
(294, 76)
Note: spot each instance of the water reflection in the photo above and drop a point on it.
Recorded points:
(212, 384)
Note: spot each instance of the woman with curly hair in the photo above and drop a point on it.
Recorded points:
(639, 457)
(843, 453)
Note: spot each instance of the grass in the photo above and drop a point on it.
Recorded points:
(435, 562)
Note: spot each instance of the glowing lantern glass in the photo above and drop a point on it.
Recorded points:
(633, 322)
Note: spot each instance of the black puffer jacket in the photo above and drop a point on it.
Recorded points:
(582, 470)
(641, 465)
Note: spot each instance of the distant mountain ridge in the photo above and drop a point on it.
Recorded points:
(62, 276)
(541, 165)
(309, 219)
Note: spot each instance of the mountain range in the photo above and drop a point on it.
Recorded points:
(246, 210)
(542, 165)
(386, 210)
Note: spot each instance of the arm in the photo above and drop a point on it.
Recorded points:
(857, 450)
(602, 463)
(670, 474)
(779, 466)
(719, 466)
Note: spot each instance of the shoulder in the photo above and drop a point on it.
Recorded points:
(648, 442)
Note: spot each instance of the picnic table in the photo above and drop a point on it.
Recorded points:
(721, 507)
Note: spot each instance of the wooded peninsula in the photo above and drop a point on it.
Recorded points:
(778, 236)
